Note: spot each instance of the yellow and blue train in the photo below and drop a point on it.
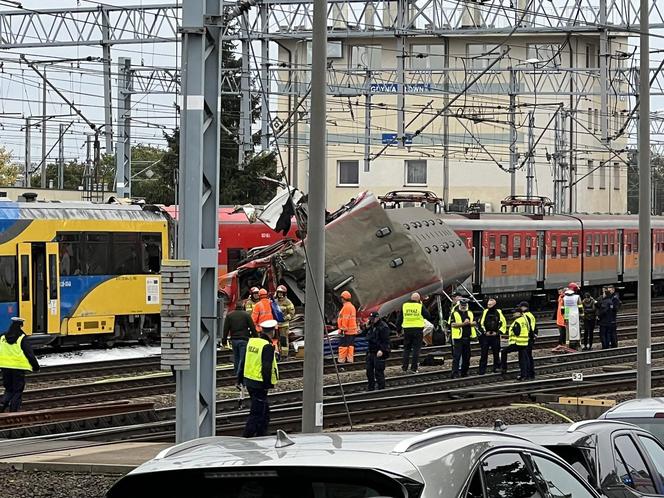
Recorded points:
(78, 272)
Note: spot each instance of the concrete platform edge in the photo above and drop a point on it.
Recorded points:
(81, 468)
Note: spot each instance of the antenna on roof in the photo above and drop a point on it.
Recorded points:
(283, 440)
(499, 425)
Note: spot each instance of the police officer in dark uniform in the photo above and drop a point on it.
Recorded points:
(16, 357)
(492, 324)
(260, 375)
(378, 342)
(464, 330)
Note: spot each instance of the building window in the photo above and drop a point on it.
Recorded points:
(548, 55)
(616, 176)
(427, 57)
(479, 57)
(596, 111)
(416, 172)
(349, 173)
(366, 57)
(591, 173)
(590, 120)
(591, 57)
(602, 176)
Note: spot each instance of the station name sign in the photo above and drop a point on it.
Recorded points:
(394, 87)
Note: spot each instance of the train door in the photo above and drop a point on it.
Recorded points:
(541, 258)
(39, 289)
(477, 257)
(621, 254)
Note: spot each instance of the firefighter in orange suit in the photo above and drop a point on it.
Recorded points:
(347, 324)
(262, 310)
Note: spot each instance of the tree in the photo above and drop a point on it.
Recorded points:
(9, 171)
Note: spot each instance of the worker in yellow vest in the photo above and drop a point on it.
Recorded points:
(411, 322)
(260, 375)
(464, 330)
(16, 358)
(518, 338)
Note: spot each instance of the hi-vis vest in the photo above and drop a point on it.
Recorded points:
(253, 361)
(412, 316)
(502, 323)
(12, 356)
(531, 322)
(457, 331)
(524, 332)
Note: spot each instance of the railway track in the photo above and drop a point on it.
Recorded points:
(405, 396)
(140, 366)
(163, 383)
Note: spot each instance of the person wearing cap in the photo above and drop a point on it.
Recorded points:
(239, 326)
(411, 322)
(378, 349)
(524, 306)
(16, 357)
(288, 309)
(617, 304)
(347, 325)
(262, 310)
(252, 300)
(518, 337)
(589, 320)
(492, 324)
(260, 375)
(608, 314)
(464, 330)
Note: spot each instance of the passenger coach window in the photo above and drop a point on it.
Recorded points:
(506, 474)
(564, 241)
(597, 244)
(96, 254)
(635, 244)
(605, 244)
(516, 251)
(554, 247)
(503, 247)
(492, 247)
(575, 246)
(612, 244)
(8, 279)
(151, 252)
(52, 277)
(70, 253)
(589, 245)
(632, 470)
(25, 278)
(125, 254)
(529, 247)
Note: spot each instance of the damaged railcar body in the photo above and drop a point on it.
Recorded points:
(380, 255)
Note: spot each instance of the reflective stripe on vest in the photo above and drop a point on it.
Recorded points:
(523, 337)
(457, 332)
(253, 361)
(412, 316)
(12, 356)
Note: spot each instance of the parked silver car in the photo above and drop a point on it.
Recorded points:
(445, 462)
(647, 413)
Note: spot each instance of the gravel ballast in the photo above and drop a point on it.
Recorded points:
(39, 484)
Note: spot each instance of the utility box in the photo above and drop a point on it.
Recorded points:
(175, 314)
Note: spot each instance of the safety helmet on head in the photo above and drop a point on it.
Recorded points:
(253, 290)
(282, 288)
(262, 293)
(346, 295)
(573, 286)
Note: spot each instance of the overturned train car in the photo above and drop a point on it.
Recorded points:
(380, 255)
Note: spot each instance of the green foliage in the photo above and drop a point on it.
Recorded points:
(9, 171)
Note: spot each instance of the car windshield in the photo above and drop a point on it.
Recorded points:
(653, 425)
(264, 483)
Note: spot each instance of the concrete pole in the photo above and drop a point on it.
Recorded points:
(61, 157)
(108, 98)
(312, 401)
(43, 136)
(513, 133)
(643, 364)
(28, 146)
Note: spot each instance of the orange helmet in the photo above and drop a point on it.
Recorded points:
(253, 290)
(573, 286)
(282, 288)
(346, 295)
(262, 293)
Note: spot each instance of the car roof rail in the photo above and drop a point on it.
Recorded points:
(435, 434)
(446, 426)
(185, 446)
(578, 425)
